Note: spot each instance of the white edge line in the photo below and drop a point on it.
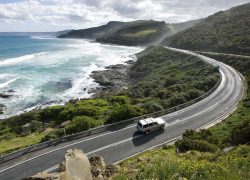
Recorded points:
(78, 142)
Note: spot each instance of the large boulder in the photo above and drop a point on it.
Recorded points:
(2, 108)
(77, 166)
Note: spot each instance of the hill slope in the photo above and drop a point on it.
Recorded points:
(94, 32)
(140, 32)
(225, 31)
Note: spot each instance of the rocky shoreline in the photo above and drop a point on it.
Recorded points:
(5, 95)
(113, 79)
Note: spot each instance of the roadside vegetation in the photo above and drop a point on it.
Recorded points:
(159, 79)
(165, 163)
(220, 152)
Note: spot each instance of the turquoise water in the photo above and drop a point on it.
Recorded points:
(41, 70)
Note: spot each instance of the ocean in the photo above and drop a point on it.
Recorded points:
(39, 70)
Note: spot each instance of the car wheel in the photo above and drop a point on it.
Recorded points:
(162, 127)
(147, 132)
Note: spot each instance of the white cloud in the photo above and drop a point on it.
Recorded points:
(63, 14)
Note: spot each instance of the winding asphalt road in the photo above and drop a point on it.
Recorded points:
(122, 143)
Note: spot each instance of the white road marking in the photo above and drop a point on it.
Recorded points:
(62, 148)
(152, 147)
(100, 149)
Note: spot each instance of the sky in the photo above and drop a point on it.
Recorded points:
(55, 15)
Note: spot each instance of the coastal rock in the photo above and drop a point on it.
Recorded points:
(130, 62)
(11, 91)
(113, 79)
(2, 108)
(74, 166)
(5, 96)
(100, 170)
(77, 166)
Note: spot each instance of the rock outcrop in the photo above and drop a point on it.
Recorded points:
(100, 170)
(113, 79)
(2, 108)
(5, 96)
(76, 166)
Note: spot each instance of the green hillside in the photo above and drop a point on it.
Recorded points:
(140, 32)
(225, 31)
(94, 32)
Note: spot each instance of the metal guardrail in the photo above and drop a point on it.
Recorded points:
(104, 128)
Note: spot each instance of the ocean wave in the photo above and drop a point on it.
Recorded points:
(42, 37)
(82, 84)
(2, 85)
(2, 76)
(74, 61)
(17, 60)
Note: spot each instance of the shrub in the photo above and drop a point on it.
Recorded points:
(241, 133)
(120, 113)
(120, 100)
(186, 144)
(152, 106)
(35, 126)
(80, 123)
(49, 137)
(50, 113)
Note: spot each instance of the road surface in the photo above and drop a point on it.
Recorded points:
(125, 142)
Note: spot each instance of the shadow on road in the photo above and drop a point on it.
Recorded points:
(118, 126)
(140, 138)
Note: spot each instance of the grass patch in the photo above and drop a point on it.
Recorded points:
(20, 142)
(141, 33)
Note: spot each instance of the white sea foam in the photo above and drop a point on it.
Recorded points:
(2, 76)
(73, 62)
(82, 83)
(48, 36)
(18, 60)
(2, 85)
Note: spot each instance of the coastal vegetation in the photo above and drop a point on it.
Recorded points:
(225, 32)
(220, 152)
(159, 79)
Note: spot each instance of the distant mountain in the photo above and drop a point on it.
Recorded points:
(225, 31)
(94, 32)
(136, 33)
(142, 32)
(59, 33)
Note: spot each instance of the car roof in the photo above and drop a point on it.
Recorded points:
(147, 121)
